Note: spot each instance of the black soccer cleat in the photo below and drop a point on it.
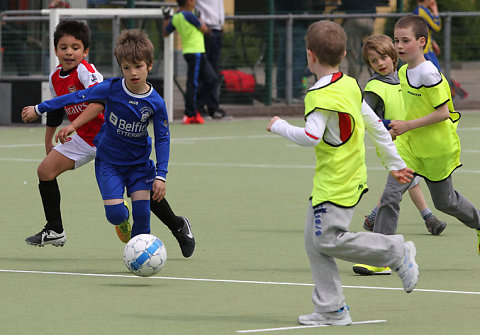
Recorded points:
(185, 238)
(47, 236)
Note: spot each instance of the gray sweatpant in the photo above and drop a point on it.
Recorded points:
(327, 237)
(445, 198)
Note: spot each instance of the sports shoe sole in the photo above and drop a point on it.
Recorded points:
(57, 244)
(366, 272)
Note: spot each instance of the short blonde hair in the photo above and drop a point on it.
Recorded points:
(383, 45)
(327, 40)
(134, 46)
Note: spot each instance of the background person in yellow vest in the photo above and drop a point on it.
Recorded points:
(335, 126)
(429, 144)
(384, 95)
(191, 30)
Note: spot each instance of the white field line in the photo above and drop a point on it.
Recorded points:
(228, 281)
(303, 327)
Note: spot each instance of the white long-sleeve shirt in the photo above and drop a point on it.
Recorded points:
(324, 125)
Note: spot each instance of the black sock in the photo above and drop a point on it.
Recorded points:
(50, 194)
(163, 211)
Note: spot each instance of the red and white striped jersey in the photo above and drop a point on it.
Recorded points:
(81, 77)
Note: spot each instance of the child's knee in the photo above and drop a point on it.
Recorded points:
(116, 214)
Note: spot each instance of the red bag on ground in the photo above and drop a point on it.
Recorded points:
(238, 81)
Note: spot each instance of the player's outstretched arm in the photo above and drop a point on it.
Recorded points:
(272, 121)
(403, 176)
(92, 110)
(29, 114)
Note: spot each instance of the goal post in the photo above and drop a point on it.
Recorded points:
(56, 14)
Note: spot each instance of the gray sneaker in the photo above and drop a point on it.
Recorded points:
(336, 318)
(408, 270)
(434, 225)
(47, 237)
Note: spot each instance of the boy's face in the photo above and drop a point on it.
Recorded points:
(408, 47)
(70, 52)
(136, 75)
(381, 64)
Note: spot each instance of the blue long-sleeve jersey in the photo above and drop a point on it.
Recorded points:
(123, 138)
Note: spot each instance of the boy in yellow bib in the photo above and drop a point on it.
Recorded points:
(335, 125)
(429, 144)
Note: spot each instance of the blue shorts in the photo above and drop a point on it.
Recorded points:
(113, 179)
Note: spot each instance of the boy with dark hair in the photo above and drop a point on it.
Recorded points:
(123, 144)
(429, 144)
(335, 125)
(74, 73)
(191, 29)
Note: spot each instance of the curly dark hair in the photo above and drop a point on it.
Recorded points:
(74, 28)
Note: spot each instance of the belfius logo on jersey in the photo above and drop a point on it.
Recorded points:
(128, 128)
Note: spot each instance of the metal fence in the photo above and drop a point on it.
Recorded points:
(269, 47)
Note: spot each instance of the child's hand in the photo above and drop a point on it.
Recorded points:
(29, 114)
(158, 189)
(398, 127)
(272, 121)
(63, 134)
(403, 176)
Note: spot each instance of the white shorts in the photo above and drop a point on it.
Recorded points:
(77, 150)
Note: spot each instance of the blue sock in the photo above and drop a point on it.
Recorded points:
(141, 217)
(116, 214)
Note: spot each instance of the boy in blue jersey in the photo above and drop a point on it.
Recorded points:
(123, 143)
(191, 29)
(335, 123)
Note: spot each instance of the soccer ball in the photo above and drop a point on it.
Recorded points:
(145, 255)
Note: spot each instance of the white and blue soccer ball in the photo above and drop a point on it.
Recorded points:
(145, 255)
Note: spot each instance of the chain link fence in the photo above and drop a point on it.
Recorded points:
(269, 49)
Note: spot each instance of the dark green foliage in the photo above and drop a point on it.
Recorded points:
(243, 45)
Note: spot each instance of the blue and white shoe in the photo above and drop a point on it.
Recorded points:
(408, 270)
(336, 318)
